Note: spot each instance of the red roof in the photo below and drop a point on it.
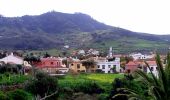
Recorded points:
(151, 62)
(131, 63)
(50, 62)
(47, 59)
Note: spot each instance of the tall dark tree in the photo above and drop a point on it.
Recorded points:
(32, 60)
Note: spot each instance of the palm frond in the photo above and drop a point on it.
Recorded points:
(146, 78)
(117, 95)
(135, 97)
(131, 94)
(127, 90)
(155, 92)
(161, 74)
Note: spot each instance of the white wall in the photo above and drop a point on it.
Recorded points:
(109, 65)
(154, 71)
(12, 58)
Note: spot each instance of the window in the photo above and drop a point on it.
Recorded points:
(103, 66)
(78, 66)
(109, 66)
(145, 69)
(52, 63)
(72, 64)
(156, 68)
(114, 65)
(152, 68)
(98, 66)
(128, 70)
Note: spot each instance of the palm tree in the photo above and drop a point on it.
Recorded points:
(158, 86)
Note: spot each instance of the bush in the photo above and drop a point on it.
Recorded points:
(99, 71)
(88, 87)
(42, 84)
(3, 96)
(18, 95)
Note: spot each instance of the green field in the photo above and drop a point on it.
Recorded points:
(103, 80)
(74, 82)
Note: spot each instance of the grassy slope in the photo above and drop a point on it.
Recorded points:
(130, 44)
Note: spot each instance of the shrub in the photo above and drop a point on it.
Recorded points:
(99, 71)
(42, 84)
(88, 87)
(18, 95)
(3, 96)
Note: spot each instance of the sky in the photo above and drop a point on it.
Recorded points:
(149, 16)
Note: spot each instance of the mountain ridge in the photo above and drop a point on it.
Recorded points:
(56, 29)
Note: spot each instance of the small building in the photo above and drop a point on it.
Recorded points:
(81, 52)
(77, 66)
(92, 52)
(137, 56)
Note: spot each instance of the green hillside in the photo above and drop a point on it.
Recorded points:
(54, 30)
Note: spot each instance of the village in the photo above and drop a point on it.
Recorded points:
(112, 63)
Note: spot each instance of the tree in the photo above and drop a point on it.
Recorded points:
(158, 86)
(46, 55)
(32, 59)
(89, 63)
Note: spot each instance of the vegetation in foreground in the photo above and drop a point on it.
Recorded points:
(156, 87)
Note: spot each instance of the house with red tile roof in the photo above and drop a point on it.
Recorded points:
(131, 66)
(51, 65)
(134, 65)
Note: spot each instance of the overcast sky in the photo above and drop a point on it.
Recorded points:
(150, 16)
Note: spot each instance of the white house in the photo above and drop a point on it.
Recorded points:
(136, 56)
(12, 59)
(81, 52)
(153, 66)
(92, 52)
(107, 66)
